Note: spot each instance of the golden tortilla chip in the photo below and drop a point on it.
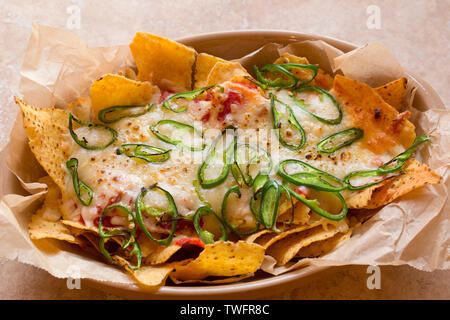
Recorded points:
(253, 237)
(290, 58)
(225, 71)
(224, 259)
(114, 90)
(47, 130)
(203, 66)
(163, 62)
(148, 277)
(416, 176)
(45, 223)
(322, 79)
(41, 228)
(383, 126)
(301, 214)
(286, 249)
(322, 247)
(267, 239)
(92, 238)
(394, 93)
(79, 226)
(154, 253)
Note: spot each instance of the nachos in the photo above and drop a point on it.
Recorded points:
(194, 168)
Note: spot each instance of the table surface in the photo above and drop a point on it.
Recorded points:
(417, 32)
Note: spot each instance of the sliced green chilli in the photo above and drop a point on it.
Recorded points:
(388, 170)
(171, 210)
(379, 177)
(313, 204)
(270, 201)
(200, 196)
(191, 95)
(144, 153)
(234, 189)
(128, 234)
(237, 175)
(310, 177)
(249, 161)
(83, 191)
(270, 195)
(397, 162)
(323, 95)
(292, 124)
(188, 130)
(284, 81)
(211, 158)
(116, 113)
(259, 181)
(285, 191)
(339, 140)
(206, 236)
(314, 68)
(83, 142)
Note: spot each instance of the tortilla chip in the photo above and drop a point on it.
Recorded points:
(383, 126)
(163, 62)
(41, 228)
(394, 93)
(322, 79)
(268, 239)
(225, 259)
(253, 237)
(92, 238)
(225, 71)
(322, 247)
(215, 281)
(290, 58)
(286, 249)
(416, 176)
(301, 214)
(45, 223)
(47, 130)
(148, 277)
(79, 226)
(154, 253)
(114, 90)
(203, 66)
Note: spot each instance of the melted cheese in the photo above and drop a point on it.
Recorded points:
(117, 178)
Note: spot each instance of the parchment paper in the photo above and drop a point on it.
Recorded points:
(59, 68)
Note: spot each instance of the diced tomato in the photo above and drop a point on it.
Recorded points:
(82, 220)
(246, 83)
(164, 95)
(377, 162)
(209, 96)
(193, 241)
(234, 97)
(302, 190)
(206, 116)
(106, 221)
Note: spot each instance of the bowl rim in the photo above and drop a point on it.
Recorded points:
(224, 290)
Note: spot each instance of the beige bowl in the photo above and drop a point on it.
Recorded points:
(233, 45)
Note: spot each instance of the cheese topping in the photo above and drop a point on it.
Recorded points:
(118, 178)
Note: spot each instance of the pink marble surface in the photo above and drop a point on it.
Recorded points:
(417, 32)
